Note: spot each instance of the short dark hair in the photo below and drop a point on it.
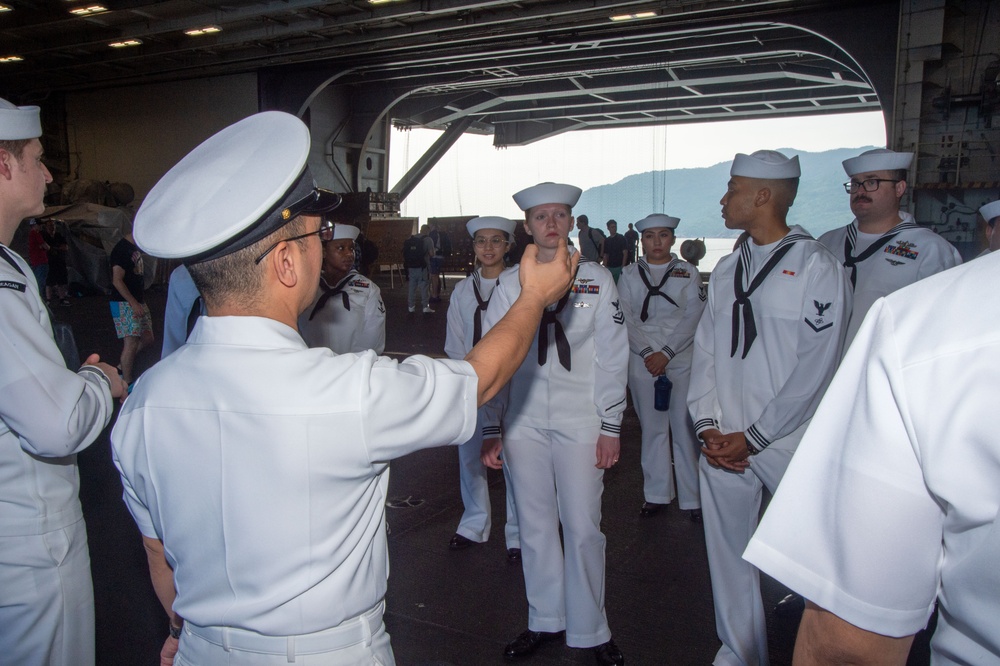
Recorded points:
(14, 146)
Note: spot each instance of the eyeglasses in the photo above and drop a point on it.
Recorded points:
(870, 184)
(496, 241)
(325, 233)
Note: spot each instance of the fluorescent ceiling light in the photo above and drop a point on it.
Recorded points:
(124, 43)
(381, 2)
(11, 59)
(6, 8)
(632, 17)
(88, 10)
(207, 30)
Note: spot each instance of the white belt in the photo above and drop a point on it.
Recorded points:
(349, 632)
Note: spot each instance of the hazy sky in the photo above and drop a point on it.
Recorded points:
(475, 178)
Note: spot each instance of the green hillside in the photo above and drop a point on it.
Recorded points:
(693, 195)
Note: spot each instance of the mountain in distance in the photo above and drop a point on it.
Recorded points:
(693, 196)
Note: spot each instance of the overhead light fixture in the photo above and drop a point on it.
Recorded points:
(207, 30)
(11, 59)
(633, 17)
(125, 43)
(381, 2)
(6, 8)
(88, 10)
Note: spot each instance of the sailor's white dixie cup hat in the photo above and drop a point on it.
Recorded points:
(348, 231)
(19, 122)
(487, 222)
(236, 188)
(657, 221)
(990, 210)
(878, 159)
(547, 193)
(765, 164)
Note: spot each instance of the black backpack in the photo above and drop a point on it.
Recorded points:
(414, 255)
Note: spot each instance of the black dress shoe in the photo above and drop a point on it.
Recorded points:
(695, 515)
(528, 642)
(459, 542)
(608, 654)
(513, 554)
(792, 605)
(650, 509)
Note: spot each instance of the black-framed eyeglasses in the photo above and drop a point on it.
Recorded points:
(869, 184)
(495, 241)
(325, 233)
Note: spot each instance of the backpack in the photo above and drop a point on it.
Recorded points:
(444, 249)
(414, 255)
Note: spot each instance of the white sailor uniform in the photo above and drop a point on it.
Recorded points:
(466, 310)
(347, 317)
(893, 500)
(569, 390)
(47, 415)
(879, 265)
(184, 306)
(765, 350)
(262, 465)
(662, 306)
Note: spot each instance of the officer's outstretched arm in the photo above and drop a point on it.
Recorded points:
(504, 347)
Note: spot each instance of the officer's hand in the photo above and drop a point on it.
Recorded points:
(490, 453)
(548, 281)
(169, 651)
(656, 363)
(608, 450)
(119, 389)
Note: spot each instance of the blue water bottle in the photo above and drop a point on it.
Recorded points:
(661, 393)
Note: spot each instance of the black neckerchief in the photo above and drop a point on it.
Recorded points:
(651, 290)
(742, 305)
(477, 319)
(850, 261)
(328, 293)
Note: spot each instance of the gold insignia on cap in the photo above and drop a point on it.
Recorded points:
(285, 214)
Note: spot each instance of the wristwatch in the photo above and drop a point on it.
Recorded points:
(175, 632)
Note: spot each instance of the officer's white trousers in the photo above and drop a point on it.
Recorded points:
(731, 504)
(476, 519)
(47, 599)
(663, 432)
(556, 482)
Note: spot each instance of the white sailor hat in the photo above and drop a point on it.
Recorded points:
(878, 159)
(990, 210)
(501, 223)
(236, 188)
(342, 231)
(765, 164)
(547, 193)
(19, 122)
(657, 221)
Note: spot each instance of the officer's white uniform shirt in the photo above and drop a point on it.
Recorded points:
(463, 310)
(551, 397)
(182, 294)
(669, 328)
(913, 253)
(262, 466)
(893, 498)
(800, 312)
(347, 326)
(47, 415)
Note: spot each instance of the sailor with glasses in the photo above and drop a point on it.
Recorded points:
(347, 314)
(256, 467)
(883, 249)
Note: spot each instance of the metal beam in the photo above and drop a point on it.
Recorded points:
(427, 161)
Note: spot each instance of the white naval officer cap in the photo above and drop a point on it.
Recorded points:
(19, 122)
(657, 221)
(547, 193)
(342, 231)
(500, 223)
(236, 188)
(765, 164)
(990, 210)
(877, 159)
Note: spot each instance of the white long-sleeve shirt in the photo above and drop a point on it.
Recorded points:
(800, 312)
(346, 324)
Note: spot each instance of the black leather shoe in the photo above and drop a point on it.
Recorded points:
(528, 642)
(513, 554)
(650, 509)
(792, 605)
(608, 654)
(459, 542)
(695, 515)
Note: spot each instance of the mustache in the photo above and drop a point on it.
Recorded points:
(862, 198)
